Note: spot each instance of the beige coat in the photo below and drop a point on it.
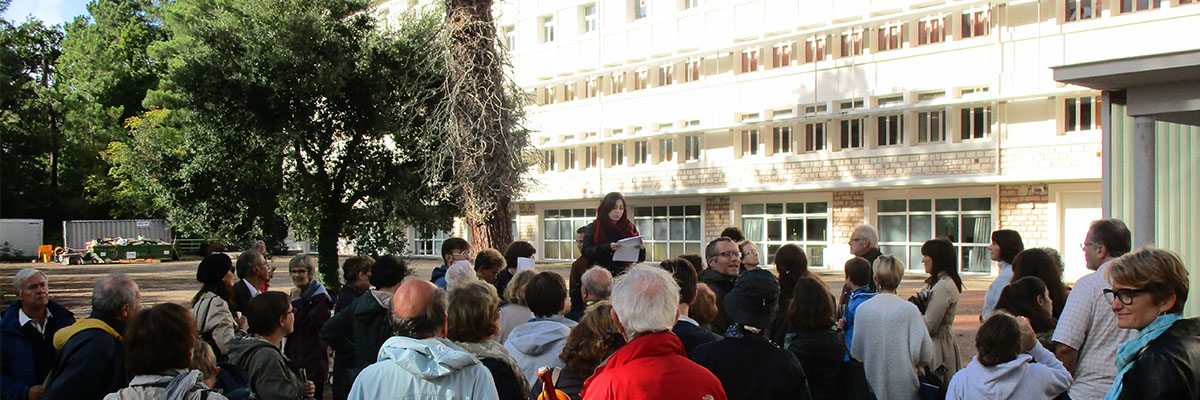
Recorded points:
(939, 319)
(213, 315)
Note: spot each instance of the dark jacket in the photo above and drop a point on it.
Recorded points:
(1169, 366)
(507, 384)
(91, 364)
(438, 277)
(575, 283)
(601, 254)
(502, 279)
(360, 329)
(692, 336)
(720, 285)
(751, 367)
(820, 353)
(27, 356)
(347, 296)
(241, 296)
(304, 346)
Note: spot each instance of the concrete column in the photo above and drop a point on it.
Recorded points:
(1143, 181)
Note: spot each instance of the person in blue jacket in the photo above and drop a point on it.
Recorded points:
(27, 336)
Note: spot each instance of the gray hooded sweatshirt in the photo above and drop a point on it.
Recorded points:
(432, 368)
(1035, 375)
(537, 344)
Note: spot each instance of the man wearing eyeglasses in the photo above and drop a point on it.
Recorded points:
(1087, 332)
(723, 261)
(256, 276)
(453, 250)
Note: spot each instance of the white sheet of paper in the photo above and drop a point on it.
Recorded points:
(524, 263)
(628, 252)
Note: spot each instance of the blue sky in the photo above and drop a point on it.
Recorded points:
(49, 11)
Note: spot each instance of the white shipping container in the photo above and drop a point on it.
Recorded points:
(22, 235)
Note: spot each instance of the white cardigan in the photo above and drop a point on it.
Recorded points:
(891, 340)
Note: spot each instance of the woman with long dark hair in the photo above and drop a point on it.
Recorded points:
(1040, 264)
(214, 320)
(940, 304)
(612, 224)
(1028, 297)
(816, 342)
(1006, 244)
(791, 264)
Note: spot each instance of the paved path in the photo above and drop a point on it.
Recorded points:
(176, 282)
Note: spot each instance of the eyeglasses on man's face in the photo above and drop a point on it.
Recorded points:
(730, 254)
(1125, 296)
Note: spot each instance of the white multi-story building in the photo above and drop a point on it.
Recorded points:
(797, 120)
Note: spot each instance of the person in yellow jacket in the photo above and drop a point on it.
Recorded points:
(91, 362)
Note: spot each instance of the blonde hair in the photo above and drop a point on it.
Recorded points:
(1159, 271)
(888, 270)
(515, 291)
(204, 360)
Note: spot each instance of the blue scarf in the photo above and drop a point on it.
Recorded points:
(1128, 350)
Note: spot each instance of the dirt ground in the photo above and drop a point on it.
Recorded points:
(71, 285)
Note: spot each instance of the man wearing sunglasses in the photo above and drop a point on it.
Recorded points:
(1087, 333)
(723, 260)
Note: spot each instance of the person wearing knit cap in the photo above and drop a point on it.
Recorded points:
(214, 320)
(748, 364)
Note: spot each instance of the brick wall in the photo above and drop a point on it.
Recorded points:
(1026, 212)
(847, 212)
(1084, 157)
(717, 216)
(527, 222)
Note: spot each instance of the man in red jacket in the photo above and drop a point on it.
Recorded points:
(652, 365)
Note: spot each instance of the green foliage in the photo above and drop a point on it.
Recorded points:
(29, 115)
(294, 109)
(106, 71)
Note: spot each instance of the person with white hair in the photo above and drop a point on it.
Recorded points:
(890, 337)
(652, 364)
(459, 274)
(92, 362)
(595, 285)
(864, 242)
(26, 336)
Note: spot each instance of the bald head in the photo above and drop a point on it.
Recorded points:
(419, 310)
(412, 297)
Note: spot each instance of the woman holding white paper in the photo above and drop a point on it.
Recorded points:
(603, 240)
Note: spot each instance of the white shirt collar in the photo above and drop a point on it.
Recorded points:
(253, 290)
(689, 320)
(23, 319)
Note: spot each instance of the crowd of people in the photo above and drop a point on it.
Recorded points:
(489, 325)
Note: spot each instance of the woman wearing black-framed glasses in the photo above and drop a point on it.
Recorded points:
(1149, 289)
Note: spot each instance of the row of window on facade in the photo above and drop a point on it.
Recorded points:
(1079, 10)
(782, 54)
(904, 225)
(931, 126)
(935, 29)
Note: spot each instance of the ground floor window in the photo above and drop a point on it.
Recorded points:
(772, 225)
(905, 224)
(559, 232)
(670, 231)
(428, 245)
